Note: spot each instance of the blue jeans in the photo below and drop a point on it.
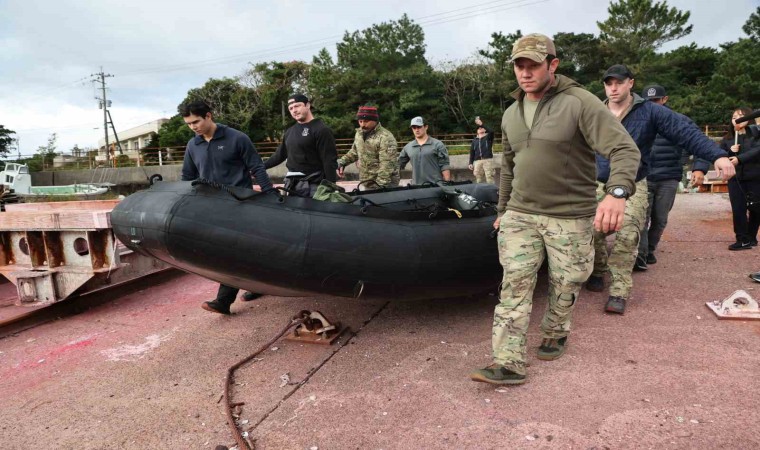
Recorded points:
(662, 195)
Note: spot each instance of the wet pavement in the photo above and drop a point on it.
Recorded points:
(145, 368)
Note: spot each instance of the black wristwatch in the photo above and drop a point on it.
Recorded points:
(619, 192)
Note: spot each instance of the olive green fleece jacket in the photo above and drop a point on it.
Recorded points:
(550, 169)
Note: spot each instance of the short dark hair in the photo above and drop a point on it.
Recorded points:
(196, 108)
(549, 59)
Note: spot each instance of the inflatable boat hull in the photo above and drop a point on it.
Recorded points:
(388, 244)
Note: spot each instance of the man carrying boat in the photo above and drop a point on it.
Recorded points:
(547, 195)
(429, 156)
(227, 156)
(309, 148)
(374, 150)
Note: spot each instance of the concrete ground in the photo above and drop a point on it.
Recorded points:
(146, 369)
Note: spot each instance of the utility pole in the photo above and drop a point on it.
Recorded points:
(104, 104)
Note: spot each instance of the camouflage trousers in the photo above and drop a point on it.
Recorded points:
(619, 262)
(483, 170)
(522, 240)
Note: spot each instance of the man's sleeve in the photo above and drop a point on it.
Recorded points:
(507, 173)
(388, 159)
(349, 157)
(680, 130)
(489, 135)
(607, 136)
(253, 163)
(280, 155)
(189, 170)
(472, 151)
(403, 158)
(328, 153)
(443, 156)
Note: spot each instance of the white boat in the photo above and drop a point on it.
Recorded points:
(15, 178)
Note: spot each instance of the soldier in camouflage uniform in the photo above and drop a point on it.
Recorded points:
(374, 150)
(547, 188)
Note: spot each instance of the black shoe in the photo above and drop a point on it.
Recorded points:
(215, 306)
(640, 265)
(740, 246)
(651, 259)
(595, 283)
(755, 276)
(753, 243)
(615, 305)
(248, 296)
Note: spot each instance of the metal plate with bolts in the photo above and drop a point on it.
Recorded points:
(739, 305)
(316, 329)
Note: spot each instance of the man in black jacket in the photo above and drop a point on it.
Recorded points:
(481, 155)
(665, 172)
(309, 147)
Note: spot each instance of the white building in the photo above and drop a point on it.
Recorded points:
(132, 140)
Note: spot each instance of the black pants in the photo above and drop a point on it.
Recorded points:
(745, 228)
(226, 294)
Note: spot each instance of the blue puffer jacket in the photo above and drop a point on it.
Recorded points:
(644, 121)
(667, 160)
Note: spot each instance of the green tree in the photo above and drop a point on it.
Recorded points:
(383, 65)
(232, 103)
(500, 49)
(47, 152)
(636, 28)
(735, 82)
(582, 57)
(6, 141)
(174, 133)
(752, 26)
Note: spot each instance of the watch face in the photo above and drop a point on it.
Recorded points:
(618, 192)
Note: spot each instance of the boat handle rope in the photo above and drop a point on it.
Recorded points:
(225, 188)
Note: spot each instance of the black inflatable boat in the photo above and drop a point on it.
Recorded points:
(408, 242)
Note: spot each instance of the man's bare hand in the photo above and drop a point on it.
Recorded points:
(340, 171)
(725, 168)
(609, 214)
(697, 178)
(497, 222)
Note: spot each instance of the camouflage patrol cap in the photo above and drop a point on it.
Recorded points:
(534, 46)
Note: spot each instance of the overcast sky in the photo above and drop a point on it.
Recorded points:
(158, 50)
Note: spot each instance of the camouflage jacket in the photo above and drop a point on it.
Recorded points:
(377, 157)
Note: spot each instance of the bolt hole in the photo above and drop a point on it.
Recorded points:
(80, 247)
(23, 246)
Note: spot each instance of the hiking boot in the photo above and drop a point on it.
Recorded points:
(552, 349)
(217, 307)
(740, 246)
(640, 265)
(755, 276)
(615, 305)
(249, 296)
(595, 283)
(651, 259)
(497, 374)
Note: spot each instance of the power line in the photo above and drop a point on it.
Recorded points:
(428, 20)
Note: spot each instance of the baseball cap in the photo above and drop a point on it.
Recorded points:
(618, 71)
(367, 113)
(653, 92)
(298, 98)
(417, 121)
(534, 46)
